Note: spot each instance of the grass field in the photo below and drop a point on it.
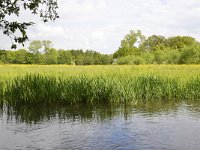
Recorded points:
(29, 84)
(183, 72)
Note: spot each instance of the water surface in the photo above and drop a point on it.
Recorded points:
(150, 126)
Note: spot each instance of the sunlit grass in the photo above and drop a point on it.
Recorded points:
(183, 72)
(33, 84)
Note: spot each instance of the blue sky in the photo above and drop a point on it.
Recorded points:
(101, 24)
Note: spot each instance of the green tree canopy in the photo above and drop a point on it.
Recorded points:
(35, 46)
(136, 49)
(178, 42)
(64, 57)
(153, 42)
(51, 56)
(130, 43)
(47, 44)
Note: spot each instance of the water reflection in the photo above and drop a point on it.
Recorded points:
(146, 125)
(84, 113)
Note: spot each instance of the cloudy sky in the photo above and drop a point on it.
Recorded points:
(101, 24)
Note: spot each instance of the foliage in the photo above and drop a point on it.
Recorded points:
(153, 43)
(35, 46)
(14, 7)
(190, 55)
(130, 59)
(135, 48)
(51, 56)
(64, 57)
(178, 42)
(157, 49)
(129, 44)
(47, 44)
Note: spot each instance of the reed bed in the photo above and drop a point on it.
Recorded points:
(43, 89)
(1, 92)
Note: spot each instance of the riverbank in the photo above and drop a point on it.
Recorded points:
(33, 84)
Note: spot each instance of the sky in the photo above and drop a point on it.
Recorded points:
(100, 25)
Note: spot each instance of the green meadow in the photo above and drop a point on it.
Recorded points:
(112, 84)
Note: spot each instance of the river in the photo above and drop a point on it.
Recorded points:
(148, 126)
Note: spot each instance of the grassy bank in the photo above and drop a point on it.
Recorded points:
(40, 89)
(32, 84)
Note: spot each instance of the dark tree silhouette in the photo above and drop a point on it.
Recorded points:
(46, 9)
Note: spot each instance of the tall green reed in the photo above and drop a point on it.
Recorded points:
(31, 89)
(191, 90)
(154, 88)
(2, 87)
(41, 89)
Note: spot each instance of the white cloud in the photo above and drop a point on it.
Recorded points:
(101, 24)
(48, 31)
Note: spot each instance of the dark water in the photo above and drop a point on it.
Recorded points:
(150, 126)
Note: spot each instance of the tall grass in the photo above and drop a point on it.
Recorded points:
(183, 72)
(41, 89)
(152, 87)
(32, 89)
(191, 90)
(1, 92)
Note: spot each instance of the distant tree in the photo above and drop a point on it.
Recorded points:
(45, 8)
(130, 43)
(76, 53)
(3, 56)
(98, 59)
(79, 60)
(89, 57)
(171, 56)
(77, 56)
(10, 57)
(64, 57)
(103, 59)
(130, 60)
(88, 60)
(35, 46)
(30, 59)
(148, 57)
(51, 56)
(39, 58)
(20, 56)
(153, 42)
(159, 56)
(178, 42)
(47, 44)
(190, 55)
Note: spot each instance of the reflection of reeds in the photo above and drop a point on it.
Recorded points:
(33, 114)
(38, 89)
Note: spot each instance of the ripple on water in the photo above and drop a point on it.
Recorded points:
(102, 128)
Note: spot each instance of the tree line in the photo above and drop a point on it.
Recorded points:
(135, 48)
(42, 52)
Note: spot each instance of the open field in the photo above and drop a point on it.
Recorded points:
(29, 84)
(183, 72)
